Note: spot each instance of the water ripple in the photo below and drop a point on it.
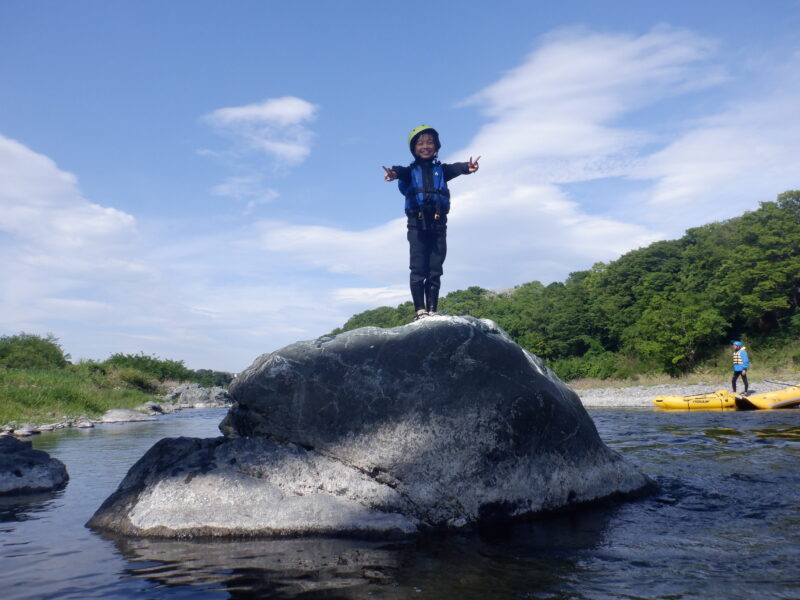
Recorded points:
(724, 523)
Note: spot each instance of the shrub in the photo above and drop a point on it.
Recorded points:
(29, 351)
(209, 378)
(161, 369)
(127, 377)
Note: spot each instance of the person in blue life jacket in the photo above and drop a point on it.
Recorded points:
(424, 185)
(741, 362)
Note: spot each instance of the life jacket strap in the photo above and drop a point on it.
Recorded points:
(415, 191)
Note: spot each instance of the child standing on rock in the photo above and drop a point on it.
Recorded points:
(424, 185)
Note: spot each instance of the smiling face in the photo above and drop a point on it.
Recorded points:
(425, 146)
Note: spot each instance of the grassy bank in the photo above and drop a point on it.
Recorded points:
(39, 385)
(39, 396)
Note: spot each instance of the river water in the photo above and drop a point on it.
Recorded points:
(725, 523)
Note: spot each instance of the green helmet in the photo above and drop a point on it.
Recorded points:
(419, 129)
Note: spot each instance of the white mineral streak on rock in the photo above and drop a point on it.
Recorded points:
(259, 507)
(295, 492)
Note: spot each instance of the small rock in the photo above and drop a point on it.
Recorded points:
(25, 470)
(122, 415)
(159, 408)
(376, 576)
(204, 405)
(25, 430)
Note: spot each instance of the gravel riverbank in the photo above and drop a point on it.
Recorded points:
(641, 396)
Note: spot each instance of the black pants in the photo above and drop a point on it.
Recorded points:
(427, 250)
(735, 377)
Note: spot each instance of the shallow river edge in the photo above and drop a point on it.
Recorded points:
(639, 396)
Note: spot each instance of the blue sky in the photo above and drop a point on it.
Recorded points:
(202, 181)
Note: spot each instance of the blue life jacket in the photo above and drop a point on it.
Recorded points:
(418, 195)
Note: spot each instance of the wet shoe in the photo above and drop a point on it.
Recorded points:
(421, 315)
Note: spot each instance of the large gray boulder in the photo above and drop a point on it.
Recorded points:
(444, 422)
(24, 470)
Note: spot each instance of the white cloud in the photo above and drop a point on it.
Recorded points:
(249, 189)
(87, 273)
(276, 127)
(39, 203)
(60, 249)
(507, 234)
(726, 163)
(560, 108)
(373, 253)
(390, 295)
(276, 111)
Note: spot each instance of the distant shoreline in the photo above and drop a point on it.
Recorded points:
(641, 396)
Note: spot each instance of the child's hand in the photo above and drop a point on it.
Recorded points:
(473, 165)
(390, 174)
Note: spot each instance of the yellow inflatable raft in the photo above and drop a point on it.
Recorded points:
(788, 398)
(719, 400)
(724, 400)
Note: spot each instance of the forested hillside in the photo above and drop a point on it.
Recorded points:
(663, 308)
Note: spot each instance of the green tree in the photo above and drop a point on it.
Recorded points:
(472, 301)
(161, 369)
(676, 332)
(30, 351)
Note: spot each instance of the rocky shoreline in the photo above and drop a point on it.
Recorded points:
(194, 396)
(179, 397)
(641, 396)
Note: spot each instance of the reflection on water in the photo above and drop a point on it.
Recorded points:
(791, 433)
(723, 434)
(724, 524)
(22, 508)
(519, 559)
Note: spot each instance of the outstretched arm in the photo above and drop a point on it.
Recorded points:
(460, 168)
(397, 172)
(391, 174)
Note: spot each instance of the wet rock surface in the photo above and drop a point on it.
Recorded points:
(24, 470)
(442, 423)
